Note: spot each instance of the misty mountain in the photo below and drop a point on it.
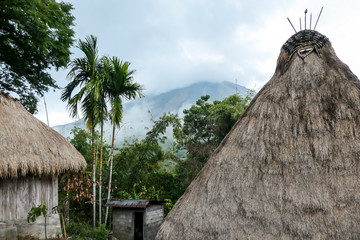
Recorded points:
(136, 112)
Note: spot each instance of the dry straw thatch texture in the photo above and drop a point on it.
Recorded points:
(289, 168)
(28, 146)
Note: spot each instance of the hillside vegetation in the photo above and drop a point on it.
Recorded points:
(137, 118)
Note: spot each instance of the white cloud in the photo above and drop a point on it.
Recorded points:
(198, 52)
(55, 118)
(175, 43)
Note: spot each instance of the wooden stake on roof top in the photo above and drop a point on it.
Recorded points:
(291, 25)
(306, 11)
(318, 17)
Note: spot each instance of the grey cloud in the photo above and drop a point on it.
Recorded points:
(175, 43)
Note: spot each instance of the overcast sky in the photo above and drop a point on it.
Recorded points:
(174, 43)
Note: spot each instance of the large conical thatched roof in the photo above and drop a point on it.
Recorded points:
(289, 169)
(28, 146)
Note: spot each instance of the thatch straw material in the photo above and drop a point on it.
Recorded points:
(289, 168)
(28, 146)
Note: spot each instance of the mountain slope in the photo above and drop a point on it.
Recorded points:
(137, 118)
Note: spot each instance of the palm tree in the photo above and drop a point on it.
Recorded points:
(83, 74)
(121, 86)
(101, 90)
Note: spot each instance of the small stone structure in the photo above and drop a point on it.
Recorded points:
(136, 219)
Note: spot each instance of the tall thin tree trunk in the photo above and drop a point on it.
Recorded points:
(100, 170)
(67, 204)
(110, 174)
(93, 173)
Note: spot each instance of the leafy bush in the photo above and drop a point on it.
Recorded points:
(84, 231)
(140, 191)
(168, 206)
(100, 232)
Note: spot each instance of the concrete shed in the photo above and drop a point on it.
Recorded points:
(136, 219)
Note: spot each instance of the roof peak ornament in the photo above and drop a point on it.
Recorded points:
(305, 21)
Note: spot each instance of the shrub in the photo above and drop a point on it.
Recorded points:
(84, 231)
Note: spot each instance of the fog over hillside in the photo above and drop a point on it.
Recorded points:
(136, 112)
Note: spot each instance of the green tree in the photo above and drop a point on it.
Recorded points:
(34, 36)
(81, 140)
(135, 162)
(119, 79)
(203, 127)
(84, 73)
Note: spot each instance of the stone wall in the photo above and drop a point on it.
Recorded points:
(8, 231)
(153, 218)
(123, 224)
(37, 229)
(21, 229)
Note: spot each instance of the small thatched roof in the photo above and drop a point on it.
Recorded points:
(28, 146)
(290, 167)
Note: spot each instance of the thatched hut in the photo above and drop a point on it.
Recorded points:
(289, 168)
(32, 156)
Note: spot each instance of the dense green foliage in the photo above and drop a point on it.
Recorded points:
(138, 164)
(204, 127)
(83, 231)
(200, 132)
(34, 36)
(75, 192)
(139, 170)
